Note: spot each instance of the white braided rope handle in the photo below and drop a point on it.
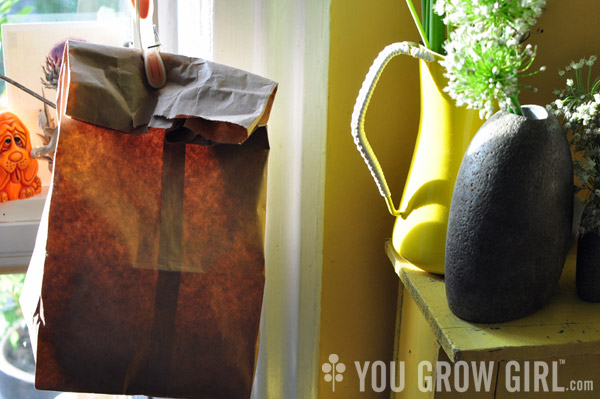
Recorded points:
(362, 103)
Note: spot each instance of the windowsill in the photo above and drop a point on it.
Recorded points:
(19, 221)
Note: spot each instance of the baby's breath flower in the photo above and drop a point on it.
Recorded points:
(577, 65)
(578, 106)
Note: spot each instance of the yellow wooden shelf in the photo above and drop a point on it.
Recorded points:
(567, 326)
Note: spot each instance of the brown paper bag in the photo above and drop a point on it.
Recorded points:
(148, 271)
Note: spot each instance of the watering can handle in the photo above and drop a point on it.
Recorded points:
(362, 103)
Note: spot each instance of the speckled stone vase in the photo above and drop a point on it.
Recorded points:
(510, 218)
(588, 267)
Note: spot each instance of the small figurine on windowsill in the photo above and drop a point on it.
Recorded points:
(18, 170)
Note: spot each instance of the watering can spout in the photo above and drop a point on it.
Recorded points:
(394, 212)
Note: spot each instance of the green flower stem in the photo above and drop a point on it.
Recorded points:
(425, 8)
(436, 32)
(516, 108)
(413, 12)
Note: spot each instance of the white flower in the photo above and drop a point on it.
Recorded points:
(484, 57)
(579, 107)
(577, 65)
(591, 60)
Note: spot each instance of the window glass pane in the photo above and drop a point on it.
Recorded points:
(62, 10)
(194, 28)
(42, 26)
(30, 11)
(17, 365)
(16, 358)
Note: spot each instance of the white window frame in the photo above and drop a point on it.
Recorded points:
(19, 221)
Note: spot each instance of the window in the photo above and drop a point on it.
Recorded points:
(25, 22)
(48, 11)
(31, 24)
(38, 25)
(42, 27)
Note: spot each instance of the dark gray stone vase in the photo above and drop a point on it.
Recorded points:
(510, 218)
(588, 267)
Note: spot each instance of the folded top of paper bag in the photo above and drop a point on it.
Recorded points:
(219, 103)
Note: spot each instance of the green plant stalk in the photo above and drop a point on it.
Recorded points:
(516, 108)
(578, 81)
(436, 32)
(413, 12)
(425, 15)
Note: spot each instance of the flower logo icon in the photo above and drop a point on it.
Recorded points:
(333, 370)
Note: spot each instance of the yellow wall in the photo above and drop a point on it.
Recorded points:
(359, 286)
(566, 31)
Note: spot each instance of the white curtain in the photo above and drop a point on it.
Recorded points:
(286, 41)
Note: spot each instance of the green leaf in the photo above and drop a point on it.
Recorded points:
(10, 290)
(26, 10)
(6, 5)
(417, 20)
(14, 339)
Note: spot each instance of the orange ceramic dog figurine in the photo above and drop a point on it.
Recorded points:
(18, 170)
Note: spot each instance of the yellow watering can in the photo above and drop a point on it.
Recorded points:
(445, 132)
